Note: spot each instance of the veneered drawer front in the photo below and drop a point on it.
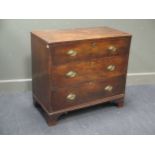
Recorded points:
(89, 91)
(79, 72)
(84, 50)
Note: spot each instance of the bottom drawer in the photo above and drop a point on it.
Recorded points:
(90, 91)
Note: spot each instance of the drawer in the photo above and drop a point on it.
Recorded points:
(89, 91)
(84, 50)
(79, 72)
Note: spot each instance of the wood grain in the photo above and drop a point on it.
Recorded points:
(88, 91)
(86, 49)
(51, 63)
(88, 71)
(67, 35)
(40, 71)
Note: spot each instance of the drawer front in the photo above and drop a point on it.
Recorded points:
(84, 50)
(89, 91)
(79, 72)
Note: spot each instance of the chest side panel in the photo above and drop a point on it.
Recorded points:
(41, 72)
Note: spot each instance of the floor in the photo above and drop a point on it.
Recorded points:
(18, 116)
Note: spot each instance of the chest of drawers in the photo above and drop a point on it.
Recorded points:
(78, 68)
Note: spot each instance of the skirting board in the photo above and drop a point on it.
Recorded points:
(25, 84)
(141, 78)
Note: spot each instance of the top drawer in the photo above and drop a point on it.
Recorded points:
(88, 49)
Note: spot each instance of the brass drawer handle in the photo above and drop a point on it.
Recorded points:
(71, 97)
(108, 88)
(71, 74)
(72, 53)
(112, 49)
(111, 67)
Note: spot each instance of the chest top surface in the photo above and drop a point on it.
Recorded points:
(66, 35)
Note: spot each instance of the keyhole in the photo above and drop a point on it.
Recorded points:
(93, 45)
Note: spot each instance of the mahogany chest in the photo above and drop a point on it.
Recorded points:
(78, 68)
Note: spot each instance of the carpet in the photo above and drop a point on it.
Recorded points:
(18, 116)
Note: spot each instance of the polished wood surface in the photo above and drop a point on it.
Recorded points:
(86, 50)
(40, 71)
(78, 68)
(87, 91)
(88, 71)
(71, 35)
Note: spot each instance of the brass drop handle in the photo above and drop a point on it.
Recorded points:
(71, 96)
(71, 74)
(112, 49)
(111, 67)
(108, 88)
(72, 53)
